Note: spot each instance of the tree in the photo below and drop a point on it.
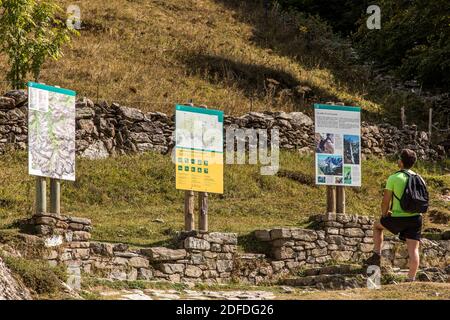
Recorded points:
(414, 40)
(30, 33)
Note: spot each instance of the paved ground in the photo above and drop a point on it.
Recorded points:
(154, 294)
(419, 290)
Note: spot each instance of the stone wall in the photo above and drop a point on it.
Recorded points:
(196, 256)
(342, 238)
(104, 130)
(213, 257)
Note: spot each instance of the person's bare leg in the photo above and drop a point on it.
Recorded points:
(377, 237)
(414, 260)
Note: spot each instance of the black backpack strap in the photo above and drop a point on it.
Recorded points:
(409, 175)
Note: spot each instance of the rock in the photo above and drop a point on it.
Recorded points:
(196, 244)
(224, 266)
(353, 232)
(164, 254)
(283, 253)
(341, 256)
(221, 238)
(319, 252)
(138, 262)
(7, 103)
(281, 233)
(19, 96)
(83, 221)
(131, 114)
(144, 274)
(299, 119)
(10, 287)
(45, 220)
(365, 247)
(95, 151)
(171, 268)
(81, 236)
(193, 271)
(84, 113)
(87, 126)
(120, 247)
(304, 234)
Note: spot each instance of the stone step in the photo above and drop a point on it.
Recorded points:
(334, 269)
(328, 281)
(342, 276)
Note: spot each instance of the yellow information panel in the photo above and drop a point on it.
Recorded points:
(199, 149)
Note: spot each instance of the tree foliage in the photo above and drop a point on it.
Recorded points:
(414, 40)
(30, 33)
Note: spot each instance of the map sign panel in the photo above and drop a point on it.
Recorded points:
(199, 149)
(51, 132)
(338, 145)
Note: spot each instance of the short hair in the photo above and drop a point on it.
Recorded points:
(408, 158)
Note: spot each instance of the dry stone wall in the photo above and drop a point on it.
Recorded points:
(214, 258)
(342, 238)
(106, 130)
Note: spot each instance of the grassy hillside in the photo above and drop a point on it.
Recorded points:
(227, 54)
(125, 195)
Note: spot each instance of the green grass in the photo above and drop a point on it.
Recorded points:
(37, 275)
(124, 195)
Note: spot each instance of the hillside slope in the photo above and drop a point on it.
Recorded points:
(10, 287)
(227, 54)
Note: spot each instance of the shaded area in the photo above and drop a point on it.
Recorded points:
(256, 81)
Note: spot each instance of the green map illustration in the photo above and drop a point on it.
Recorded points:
(51, 134)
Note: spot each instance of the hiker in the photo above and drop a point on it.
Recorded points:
(405, 199)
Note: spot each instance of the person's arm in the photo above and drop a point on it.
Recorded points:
(387, 197)
(386, 203)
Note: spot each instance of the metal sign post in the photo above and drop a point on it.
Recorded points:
(41, 197)
(55, 196)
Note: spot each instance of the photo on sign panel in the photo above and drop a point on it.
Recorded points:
(347, 174)
(325, 143)
(329, 165)
(351, 149)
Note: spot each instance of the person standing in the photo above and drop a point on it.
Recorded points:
(407, 223)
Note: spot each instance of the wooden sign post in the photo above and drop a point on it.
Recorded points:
(340, 190)
(203, 211)
(340, 199)
(335, 194)
(189, 207)
(189, 223)
(331, 199)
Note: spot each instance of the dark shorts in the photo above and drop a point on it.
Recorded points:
(405, 227)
